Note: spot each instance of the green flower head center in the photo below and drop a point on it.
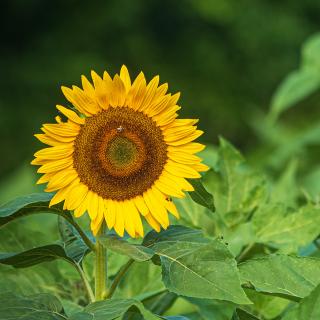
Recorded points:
(121, 152)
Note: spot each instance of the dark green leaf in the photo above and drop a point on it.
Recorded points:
(34, 256)
(200, 195)
(25, 205)
(195, 266)
(74, 245)
(38, 307)
(112, 309)
(134, 251)
(288, 276)
(307, 309)
(240, 314)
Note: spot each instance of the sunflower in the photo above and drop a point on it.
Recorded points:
(120, 154)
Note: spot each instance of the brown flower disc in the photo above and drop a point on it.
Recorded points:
(119, 153)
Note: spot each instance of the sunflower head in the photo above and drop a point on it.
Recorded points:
(121, 153)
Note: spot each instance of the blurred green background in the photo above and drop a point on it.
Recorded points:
(226, 57)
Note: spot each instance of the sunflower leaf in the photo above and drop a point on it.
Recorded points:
(195, 266)
(134, 251)
(74, 245)
(200, 195)
(308, 308)
(35, 256)
(37, 307)
(281, 275)
(25, 205)
(113, 309)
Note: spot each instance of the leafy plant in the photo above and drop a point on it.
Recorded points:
(247, 246)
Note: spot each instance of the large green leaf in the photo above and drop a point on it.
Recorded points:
(236, 188)
(134, 251)
(25, 205)
(288, 276)
(200, 195)
(38, 307)
(112, 309)
(307, 309)
(35, 256)
(195, 266)
(289, 230)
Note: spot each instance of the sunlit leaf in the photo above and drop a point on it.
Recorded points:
(195, 266)
(288, 276)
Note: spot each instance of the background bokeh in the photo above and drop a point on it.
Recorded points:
(226, 57)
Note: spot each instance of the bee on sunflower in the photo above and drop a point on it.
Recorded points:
(121, 154)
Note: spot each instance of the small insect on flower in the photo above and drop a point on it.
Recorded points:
(121, 154)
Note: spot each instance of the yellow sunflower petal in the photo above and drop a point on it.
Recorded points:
(61, 179)
(196, 134)
(157, 210)
(128, 221)
(76, 196)
(70, 115)
(46, 139)
(119, 223)
(125, 77)
(56, 165)
(136, 92)
(191, 147)
(172, 208)
(169, 189)
(135, 216)
(201, 167)
(150, 93)
(183, 157)
(153, 222)
(57, 152)
(45, 178)
(141, 205)
(110, 213)
(181, 170)
(93, 204)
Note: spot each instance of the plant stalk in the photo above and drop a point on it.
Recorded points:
(118, 277)
(101, 268)
(86, 283)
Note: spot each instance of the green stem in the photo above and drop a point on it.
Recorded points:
(245, 252)
(86, 283)
(101, 268)
(118, 277)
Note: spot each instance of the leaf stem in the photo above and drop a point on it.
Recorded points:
(86, 283)
(101, 268)
(123, 270)
(84, 237)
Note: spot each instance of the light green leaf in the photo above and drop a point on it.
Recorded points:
(288, 276)
(195, 216)
(311, 52)
(307, 309)
(295, 87)
(240, 314)
(195, 266)
(289, 230)
(134, 251)
(285, 189)
(38, 307)
(112, 309)
(200, 195)
(236, 188)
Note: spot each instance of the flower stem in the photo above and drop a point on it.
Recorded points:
(101, 268)
(86, 283)
(118, 277)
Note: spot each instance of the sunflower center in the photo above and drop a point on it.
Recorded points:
(119, 153)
